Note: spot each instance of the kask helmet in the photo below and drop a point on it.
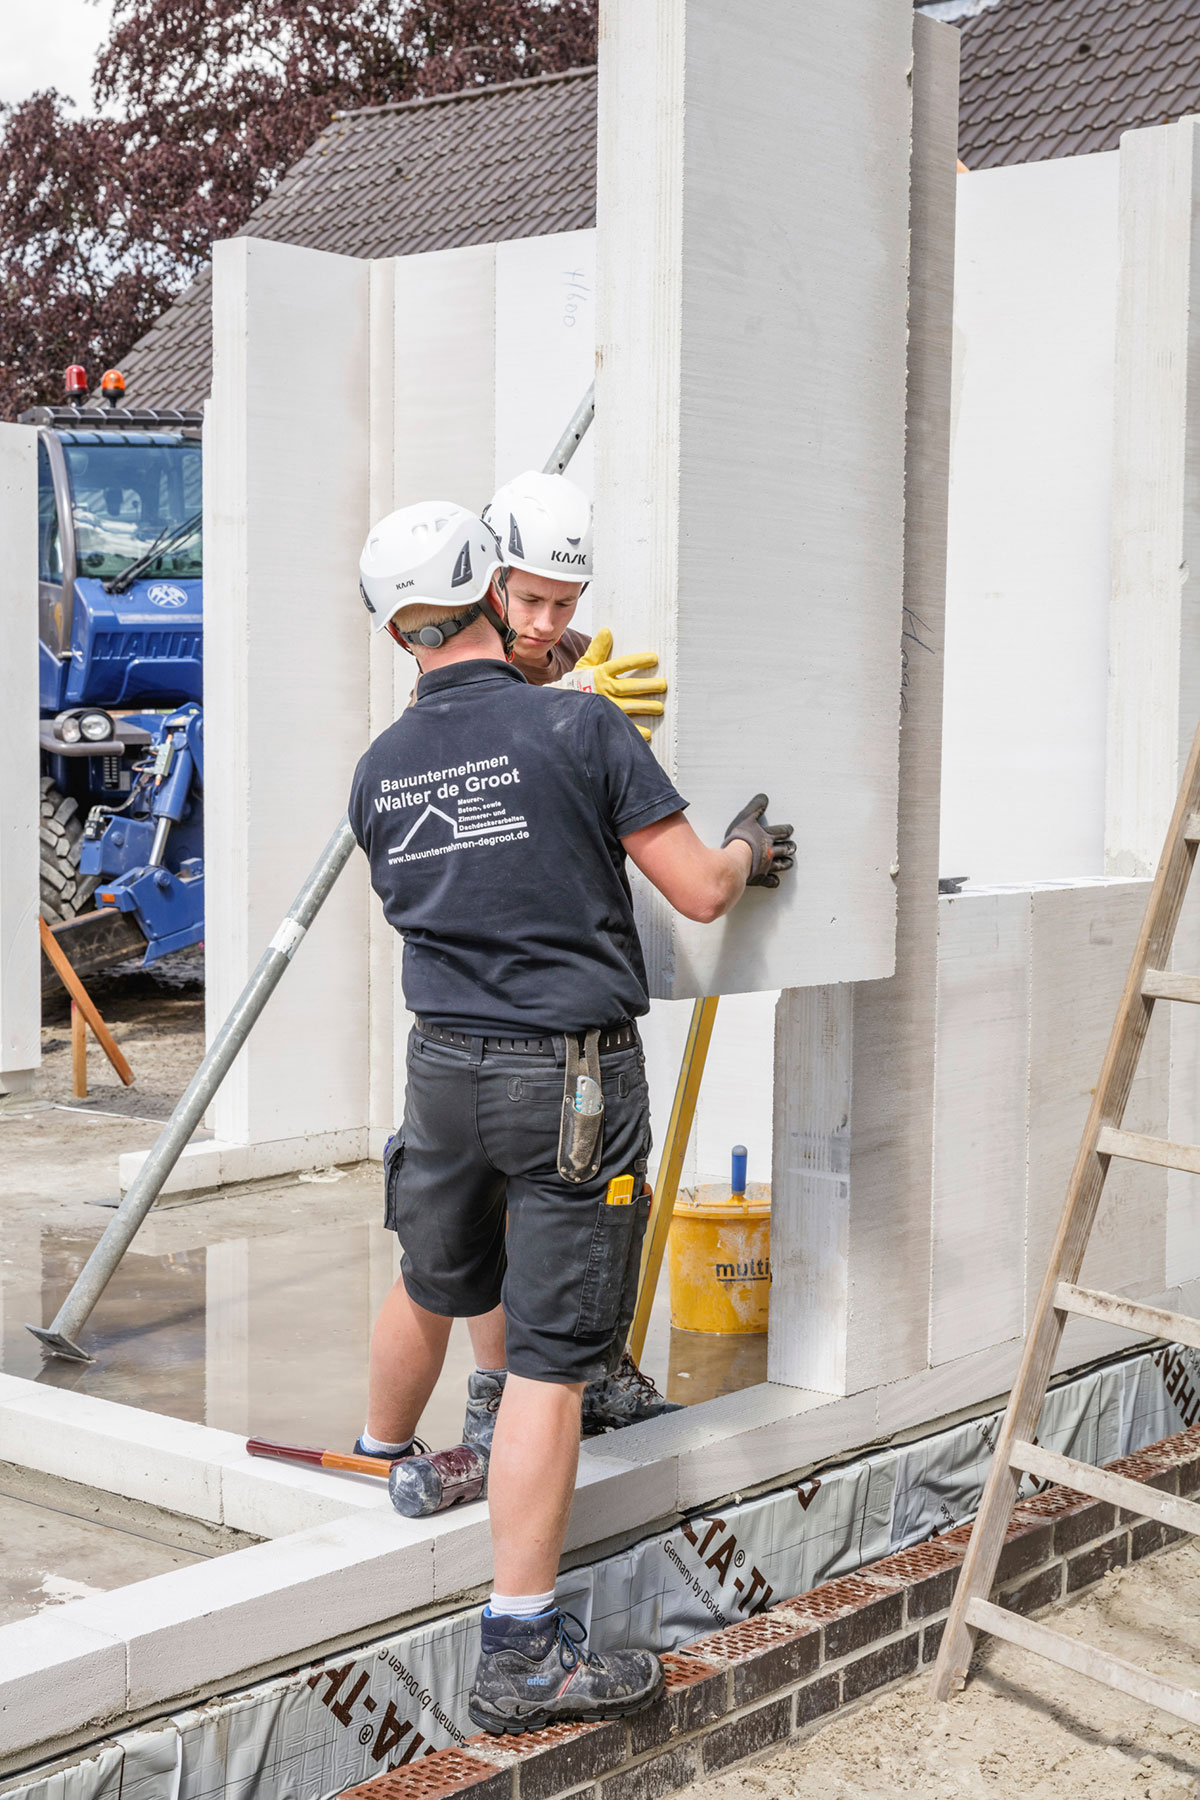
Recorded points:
(544, 525)
(435, 553)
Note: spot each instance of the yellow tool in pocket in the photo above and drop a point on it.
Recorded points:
(620, 1191)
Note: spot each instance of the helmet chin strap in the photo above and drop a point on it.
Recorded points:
(508, 636)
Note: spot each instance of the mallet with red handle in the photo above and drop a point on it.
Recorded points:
(378, 1466)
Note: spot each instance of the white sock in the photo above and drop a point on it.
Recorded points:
(373, 1446)
(521, 1606)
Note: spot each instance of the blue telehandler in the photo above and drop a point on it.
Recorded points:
(119, 628)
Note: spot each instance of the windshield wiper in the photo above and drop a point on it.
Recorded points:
(173, 534)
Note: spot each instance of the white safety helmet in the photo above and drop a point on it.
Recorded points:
(435, 553)
(544, 524)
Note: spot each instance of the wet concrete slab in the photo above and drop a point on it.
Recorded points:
(49, 1558)
(249, 1310)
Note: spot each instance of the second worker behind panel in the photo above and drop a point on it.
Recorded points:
(497, 818)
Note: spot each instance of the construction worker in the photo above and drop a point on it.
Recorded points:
(544, 524)
(497, 820)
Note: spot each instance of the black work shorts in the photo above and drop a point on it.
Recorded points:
(478, 1152)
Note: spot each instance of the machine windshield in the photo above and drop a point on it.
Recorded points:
(127, 497)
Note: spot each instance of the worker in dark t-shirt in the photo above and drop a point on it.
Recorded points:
(544, 524)
(497, 819)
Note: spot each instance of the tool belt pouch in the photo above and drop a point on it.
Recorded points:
(581, 1136)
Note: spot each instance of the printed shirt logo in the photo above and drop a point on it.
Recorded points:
(166, 594)
(471, 806)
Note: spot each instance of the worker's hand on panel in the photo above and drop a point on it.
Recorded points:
(599, 672)
(771, 846)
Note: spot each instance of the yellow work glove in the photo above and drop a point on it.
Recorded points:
(598, 671)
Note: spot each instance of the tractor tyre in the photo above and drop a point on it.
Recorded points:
(65, 892)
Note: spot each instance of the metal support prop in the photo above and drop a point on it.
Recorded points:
(679, 1130)
(94, 1277)
(97, 1272)
(574, 435)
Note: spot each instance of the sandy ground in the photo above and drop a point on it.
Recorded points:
(156, 1016)
(1023, 1729)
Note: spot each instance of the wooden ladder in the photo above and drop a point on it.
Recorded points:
(1148, 981)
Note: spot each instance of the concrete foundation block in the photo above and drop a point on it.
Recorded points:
(273, 1499)
(744, 1458)
(121, 1449)
(462, 1550)
(613, 1496)
(218, 1163)
(194, 1627)
(57, 1676)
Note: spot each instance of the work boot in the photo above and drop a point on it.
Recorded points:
(484, 1388)
(416, 1448)
(624, 1398)
(532, 1672)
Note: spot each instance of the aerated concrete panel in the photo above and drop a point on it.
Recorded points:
(854, 1073)
(433, 377)
(1028, 983)
(751, 315)
(20, 954)
(1028, 577)
(1154, 687)
(981, 1117)
(286, 471)
(545, 348)
(1154, 694)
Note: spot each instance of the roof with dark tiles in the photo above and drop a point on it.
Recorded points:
(514, 160)
(1047, 78)
(1040, 78)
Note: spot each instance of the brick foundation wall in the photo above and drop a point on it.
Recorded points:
(739, 1691)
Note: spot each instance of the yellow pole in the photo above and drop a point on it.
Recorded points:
(683, 1113)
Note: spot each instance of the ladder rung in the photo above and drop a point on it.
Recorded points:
(1086, 1659)
(1162, 984)
(1191, 829)
(1102, 1484)
(1131, 1315)
(1135, 1146)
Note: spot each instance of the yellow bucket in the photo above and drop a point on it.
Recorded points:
(720, 1259)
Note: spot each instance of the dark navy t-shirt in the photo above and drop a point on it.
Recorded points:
(492, 814)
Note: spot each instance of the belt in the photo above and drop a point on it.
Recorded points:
(616, 1037)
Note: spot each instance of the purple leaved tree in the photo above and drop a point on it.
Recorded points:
(103, 220)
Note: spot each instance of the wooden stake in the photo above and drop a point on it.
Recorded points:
(82, 999)
(78, 1053)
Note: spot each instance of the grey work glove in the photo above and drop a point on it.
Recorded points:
(771, 846)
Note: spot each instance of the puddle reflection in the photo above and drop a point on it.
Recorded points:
(269, 1334)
